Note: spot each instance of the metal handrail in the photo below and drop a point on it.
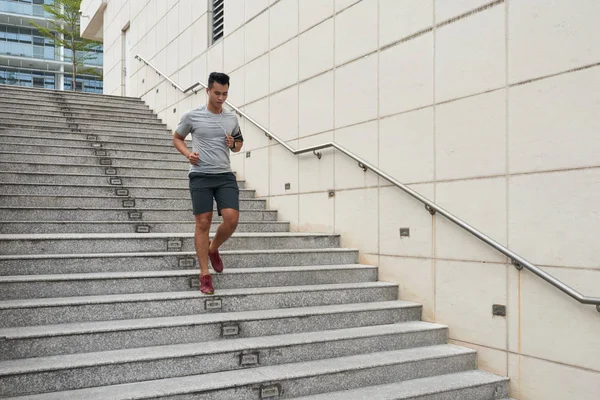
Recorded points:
(518, 261)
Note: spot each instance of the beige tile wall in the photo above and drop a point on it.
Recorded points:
(489, 108)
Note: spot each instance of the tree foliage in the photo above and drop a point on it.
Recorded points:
(64, 31)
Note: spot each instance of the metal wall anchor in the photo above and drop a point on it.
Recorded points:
(517, 264)
(363, 166)
(431, 210)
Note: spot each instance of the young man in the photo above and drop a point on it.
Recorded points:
(215, 132)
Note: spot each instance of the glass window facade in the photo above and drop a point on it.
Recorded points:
(11, 76)
(25, 7)
(86, 84)
(97, 60)
(47, 79)
(26, 42)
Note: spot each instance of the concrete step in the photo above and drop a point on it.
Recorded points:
(141, 226)
(103, 137)
(10, 105)
(79, 141)
(293, 379)
(106, 170)
(152, 305)
(104, 283)
(56, 107)
(52, 105)
(119, 203)
(68, 143)
(108, 120)
(22, 200)
(119, 181)
(105, 190)
(87, 128)
(60, 112)
(28, 150)
(76, 98)
(101, 200)
(467, 385)
(37, 92)
(149, 242)
(73, 214)
(176, 210)
(69, 118)
(158, 261)
(12, 161)
(116, 367)
(47, 340)
(123, 127)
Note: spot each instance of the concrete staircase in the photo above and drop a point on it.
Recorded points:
(98, 281)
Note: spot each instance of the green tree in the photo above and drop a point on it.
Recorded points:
(64, 31)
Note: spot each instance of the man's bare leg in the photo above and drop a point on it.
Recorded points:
(203, 222)
(225, 229)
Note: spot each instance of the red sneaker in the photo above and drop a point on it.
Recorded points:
(206, 286)
(215, 261)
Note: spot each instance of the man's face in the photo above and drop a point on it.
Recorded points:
(218, 94)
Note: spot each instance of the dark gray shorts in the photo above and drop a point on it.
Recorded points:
(222, 187)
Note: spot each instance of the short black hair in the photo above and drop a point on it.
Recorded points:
(218, 77)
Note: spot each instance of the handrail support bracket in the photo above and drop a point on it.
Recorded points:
(318, 154)
(430, 209)
(517, 264)
(362, 166)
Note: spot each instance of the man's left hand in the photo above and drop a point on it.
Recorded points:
(229, 141)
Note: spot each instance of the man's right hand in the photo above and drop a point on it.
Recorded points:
(193, 158)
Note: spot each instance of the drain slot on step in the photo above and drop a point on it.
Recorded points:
(195, 284)
(174, 244)
(212, 304)
(230, 330)
(110, 171)
(135, 215)
(115, 181)
(122, 192)
(249, 359)
(187, 262)
(101, 153)
(142, 229)
(270, 391)
(105, 161)
(128, 203)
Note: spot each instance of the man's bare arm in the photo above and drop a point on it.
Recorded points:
(238, 146)
(179, 143)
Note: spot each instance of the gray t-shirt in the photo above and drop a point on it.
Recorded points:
(208, 138)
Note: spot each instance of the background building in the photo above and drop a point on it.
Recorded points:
(29, 59)
(488, 108)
